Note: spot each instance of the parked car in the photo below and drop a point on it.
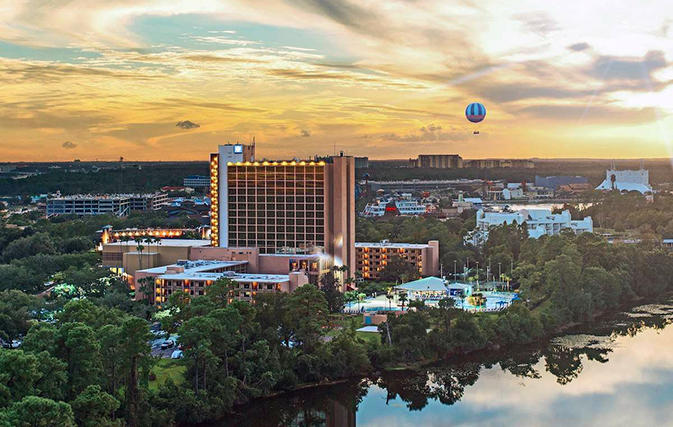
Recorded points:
(177, 354)
(167, 344)
(10, 344)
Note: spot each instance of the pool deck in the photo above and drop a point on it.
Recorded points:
(495, 301)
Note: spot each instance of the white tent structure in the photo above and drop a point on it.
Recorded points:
(432, 288)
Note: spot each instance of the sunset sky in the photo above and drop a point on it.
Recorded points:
(99, 79)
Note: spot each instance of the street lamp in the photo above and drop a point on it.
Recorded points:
(454, 270)
(499, 272)
(477, 275)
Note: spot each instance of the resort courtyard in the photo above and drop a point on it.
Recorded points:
(432, 291)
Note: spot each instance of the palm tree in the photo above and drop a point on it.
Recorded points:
(390, 297)
(403, 298)
(157, 242)
(361, 298)
(140, 248)
(147, 287)
(148, 241)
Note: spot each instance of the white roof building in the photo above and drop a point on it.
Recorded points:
(626, 180)
(540, 222)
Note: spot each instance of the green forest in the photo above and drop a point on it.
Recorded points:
(85, 359)
(34, 249)
(147, 178)
(594, 170)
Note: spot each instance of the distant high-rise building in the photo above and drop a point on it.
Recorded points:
(443, 161)
(454, 161)
(499, 163)
(361, 162)
(281, 207)
(196, 181)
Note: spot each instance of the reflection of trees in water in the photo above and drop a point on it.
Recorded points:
(444, 383)
(564, 363)
(333, 406)
(633, 327)
(410, 387)
(336, 406)
(448, 383)
(522, 364)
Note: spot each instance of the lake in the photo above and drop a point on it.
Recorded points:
(616, 372)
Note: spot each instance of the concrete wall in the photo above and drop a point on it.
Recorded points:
(340, 211)
(431, 259)
(213, 253)
(163, 255)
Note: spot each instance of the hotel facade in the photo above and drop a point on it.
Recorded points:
(283, 207)
(275, 225)
(372, 258)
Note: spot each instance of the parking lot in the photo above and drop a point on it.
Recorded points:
(155, 344)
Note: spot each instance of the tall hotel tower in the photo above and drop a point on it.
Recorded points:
(283, 207)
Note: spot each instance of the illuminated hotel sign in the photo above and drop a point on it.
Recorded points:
(238, 149)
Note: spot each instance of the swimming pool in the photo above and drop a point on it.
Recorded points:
(494, 301)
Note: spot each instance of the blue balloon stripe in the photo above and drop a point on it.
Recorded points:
(475, 112)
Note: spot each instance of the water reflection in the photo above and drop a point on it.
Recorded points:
(595, 375)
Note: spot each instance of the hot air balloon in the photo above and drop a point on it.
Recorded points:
(475, 113)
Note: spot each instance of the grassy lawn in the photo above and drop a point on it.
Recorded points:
(540, 308)
(165, 369)
(369, 336)
(343, 321)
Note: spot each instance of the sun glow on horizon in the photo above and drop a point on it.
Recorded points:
(167, 80)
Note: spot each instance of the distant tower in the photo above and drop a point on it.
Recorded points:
(121, 175)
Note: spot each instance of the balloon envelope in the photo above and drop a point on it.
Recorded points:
(475, 112)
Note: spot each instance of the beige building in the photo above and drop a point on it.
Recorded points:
(194, 277)
(373, 257)
(283, 207)
(499, 163)
(443, 161)
(454, 161)
(126, 258)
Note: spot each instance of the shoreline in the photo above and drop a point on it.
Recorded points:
(489, 349)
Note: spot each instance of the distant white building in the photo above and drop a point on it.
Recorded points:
(115, 204)
(626, 180)
(540, 222)
(373, 210)
(467, 203)
(512, 192)
(403, 207)
(194, 181)
(409, 208)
